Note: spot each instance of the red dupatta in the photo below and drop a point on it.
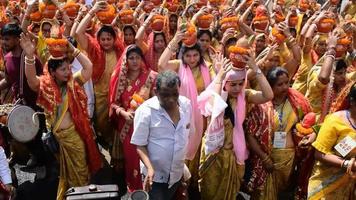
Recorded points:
(49, 97)
(97, 56)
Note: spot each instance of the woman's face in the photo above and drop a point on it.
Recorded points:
(62, 73)
(280, 88)
(274, 61)
(320, 47)
(173, 19)
(46, 30)
(340, 77)
(204, 42)
(234, 88)
(129, 36)
(159, 44)
(134, 61)
(191, 58)
(106, 41)
(260, 44)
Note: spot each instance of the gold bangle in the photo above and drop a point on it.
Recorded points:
(76, 53)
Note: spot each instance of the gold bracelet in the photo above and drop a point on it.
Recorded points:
(30, 62)
(29, 59)
(76, 53)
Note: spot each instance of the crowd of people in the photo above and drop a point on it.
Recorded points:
(195, 99)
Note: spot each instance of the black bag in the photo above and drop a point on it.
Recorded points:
(51, 142)
(101, 192)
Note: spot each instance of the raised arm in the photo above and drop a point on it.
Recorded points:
(87, 70)
(293, 63)
(82, 38)
(30, 61)
(325, 72)
(141, 33)
(266, 93)
(164, 61)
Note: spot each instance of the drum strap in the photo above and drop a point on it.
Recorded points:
(21, 75)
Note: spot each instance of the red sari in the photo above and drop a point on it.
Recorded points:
(257, 123)
(121, 93)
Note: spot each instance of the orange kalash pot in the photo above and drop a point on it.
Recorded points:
(204, 21)
(190, 36)
(136, 101)
(157, 23)
(229, 22)
(279, 17)
(108, 15)
(281, 2)
(260, 21)
(148, 7)
(201, 3)
(342, 46)
(126, 16)
(335, 2)
(156, 2)
(279, 37)
(236, 56)
(36, 16)
(172, 7)
(48, 10)
(133, 3)
(215, 3)
(305, 127)
(71, 9)
(57, 47)
(326, 25)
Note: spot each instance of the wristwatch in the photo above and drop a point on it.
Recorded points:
(258, 71)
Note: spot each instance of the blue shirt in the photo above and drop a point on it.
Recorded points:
(166, 143)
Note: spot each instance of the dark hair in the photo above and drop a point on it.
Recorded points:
(134, 48)
(232, 41)
(167, 78)
(129, 27)
(352, 94)
(202, 32)
(157, 34)
(11, 29)
(72, 41)
(54, 64)
(107, 29)
(196, 47)
(340, 64)
(274, 73)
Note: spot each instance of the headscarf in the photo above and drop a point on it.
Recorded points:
(118, 82)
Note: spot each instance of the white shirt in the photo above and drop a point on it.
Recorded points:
(5, 173)
(88, 87)
(166, 144)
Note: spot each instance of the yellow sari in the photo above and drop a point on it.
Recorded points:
(72, 155)
(328, 182)
(283, 158)
(220, 176)
(101, 90)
